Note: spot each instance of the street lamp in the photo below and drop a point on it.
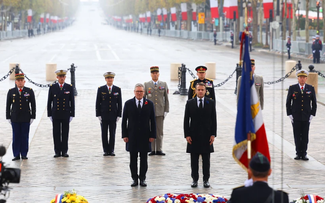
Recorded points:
(317, 6)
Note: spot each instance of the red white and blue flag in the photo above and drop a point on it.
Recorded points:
(249, 115)
(312, 199)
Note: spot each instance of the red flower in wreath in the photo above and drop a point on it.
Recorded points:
(145, 103)
(293, 95)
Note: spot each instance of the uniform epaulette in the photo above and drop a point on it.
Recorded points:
(98, 87)
(239, 187)
(71, 85)
(11, 89)
(50, 85)
(30, 88)
(209, 79)
(193, 80)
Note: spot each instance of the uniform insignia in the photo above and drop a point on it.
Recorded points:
(55, 95)
(208, 85)
(149, 95)
(161, 87)
(103, 92)
(67, 92)
(309, 92)
(115, 93)
(207, 92)
(26, 95)
(13, 95)
(149, 88)
(258, 84)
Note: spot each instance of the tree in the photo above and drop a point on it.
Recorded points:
(307, 21)
(323, 5)
(284, 20)
(255, 18)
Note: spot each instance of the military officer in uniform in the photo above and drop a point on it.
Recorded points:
(108, 111)
(301, 108)
(201, 72)
(259, 85)
(20, 113)
(61, 109)
(157, 91)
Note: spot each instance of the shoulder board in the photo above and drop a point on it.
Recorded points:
(209, 79)
(193, 80)
(30, 88)
(242, 186)
(98, 87)
(313, 85)
(71, 85)
(12, 88)
(50, 85)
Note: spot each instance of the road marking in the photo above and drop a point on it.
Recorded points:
(99, 58)
(8, 58)
(115, 55)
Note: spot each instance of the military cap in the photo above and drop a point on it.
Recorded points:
(154, 69)
(201, 69)
(109, 75)
(314, 37)
(259, 163)
(253, 62)
(317, 36)
(302, 72)
(19, 76)
(61, 72)
(288, 37)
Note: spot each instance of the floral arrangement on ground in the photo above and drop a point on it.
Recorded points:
(310, 199)
(69, 197)
(188, 198)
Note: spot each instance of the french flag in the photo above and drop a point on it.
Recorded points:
(312, 199)
(47, 17)
(194, 12)
(42, 18)
(29, 16)
(165, 14)
(267, 5)
(184, 11)
(214, 8)
(249, 115)
(173, 13)
(159, 17)
(229, 7)
(148, 16)
(58, 198)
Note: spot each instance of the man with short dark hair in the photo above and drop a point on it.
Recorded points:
(201, 73)
(260, 192)
(200, 130)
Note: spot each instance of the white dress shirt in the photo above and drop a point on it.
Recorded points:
(198, 102)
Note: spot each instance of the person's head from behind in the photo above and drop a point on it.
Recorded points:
(259, 167)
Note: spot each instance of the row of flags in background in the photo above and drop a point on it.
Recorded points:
(228, 9)
(45, 18)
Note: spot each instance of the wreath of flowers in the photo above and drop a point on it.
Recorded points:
(187, 198)
(310, 199)
(69, 197)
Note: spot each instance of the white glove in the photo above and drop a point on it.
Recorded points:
(248, 182)
(165, 114)
(310, 118)
(31, 121)
(9, 121)
(51, 118)
(291, 118)
(314, 51)
(117, 119)
(70, 119)
(99, 118)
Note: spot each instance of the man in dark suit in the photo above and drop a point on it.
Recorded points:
(200, 129)
(201, 73)
(20, 113)
(138, 131)
(60, 109)
(260, 192)
(301, 108)
(108, 111)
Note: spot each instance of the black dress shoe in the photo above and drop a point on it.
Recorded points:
(206, 184)
(135, 183)
(16, 158)
(112, 154)
(106, 154)
(24, 157)
(65, 155)
(143, 183)
(194, 184)
(57, 155)
(160, 153)
(297, 157)
(152, 153)
(305, 158)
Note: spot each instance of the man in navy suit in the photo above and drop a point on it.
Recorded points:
(60, 109)
(108, 111)
(200, 129)
(301, 108)
(20, 113)
(138, 131)
(260, 192)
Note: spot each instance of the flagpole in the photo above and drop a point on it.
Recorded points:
(249, 150)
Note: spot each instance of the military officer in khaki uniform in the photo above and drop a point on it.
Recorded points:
(259, 85)
(157, 91)
(201, 72)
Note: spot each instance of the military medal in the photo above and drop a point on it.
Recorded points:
(207, 92)
(13, 98)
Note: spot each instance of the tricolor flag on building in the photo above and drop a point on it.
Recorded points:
(165, 14)
(159, 17)
(148, 16)
(249, 115)
(47, 17)
(29, 15)
(173, 14)
(229, 7)
(194, 12)
(41, 18)
(214, 8)
(184, 11)
(267, 6)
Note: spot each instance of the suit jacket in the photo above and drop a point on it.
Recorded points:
(21, 107)
(257, 193)
(200, 124)
(301, 105)
(158, 95)
(60, 103)
(138, 126)
(259, 85)
(109, 105)
(209, 86)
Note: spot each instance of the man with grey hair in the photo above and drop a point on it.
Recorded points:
(138, 131)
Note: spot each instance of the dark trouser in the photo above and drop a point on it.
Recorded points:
(215, 41)
(195, 166)
(134, 165)
(288, 53)
(60, 135)
(300, 132)
(20, 135)
(108, 146)
(250, 47)
(316, 56)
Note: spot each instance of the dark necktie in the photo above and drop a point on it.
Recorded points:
(200, 105)
(139, 106)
